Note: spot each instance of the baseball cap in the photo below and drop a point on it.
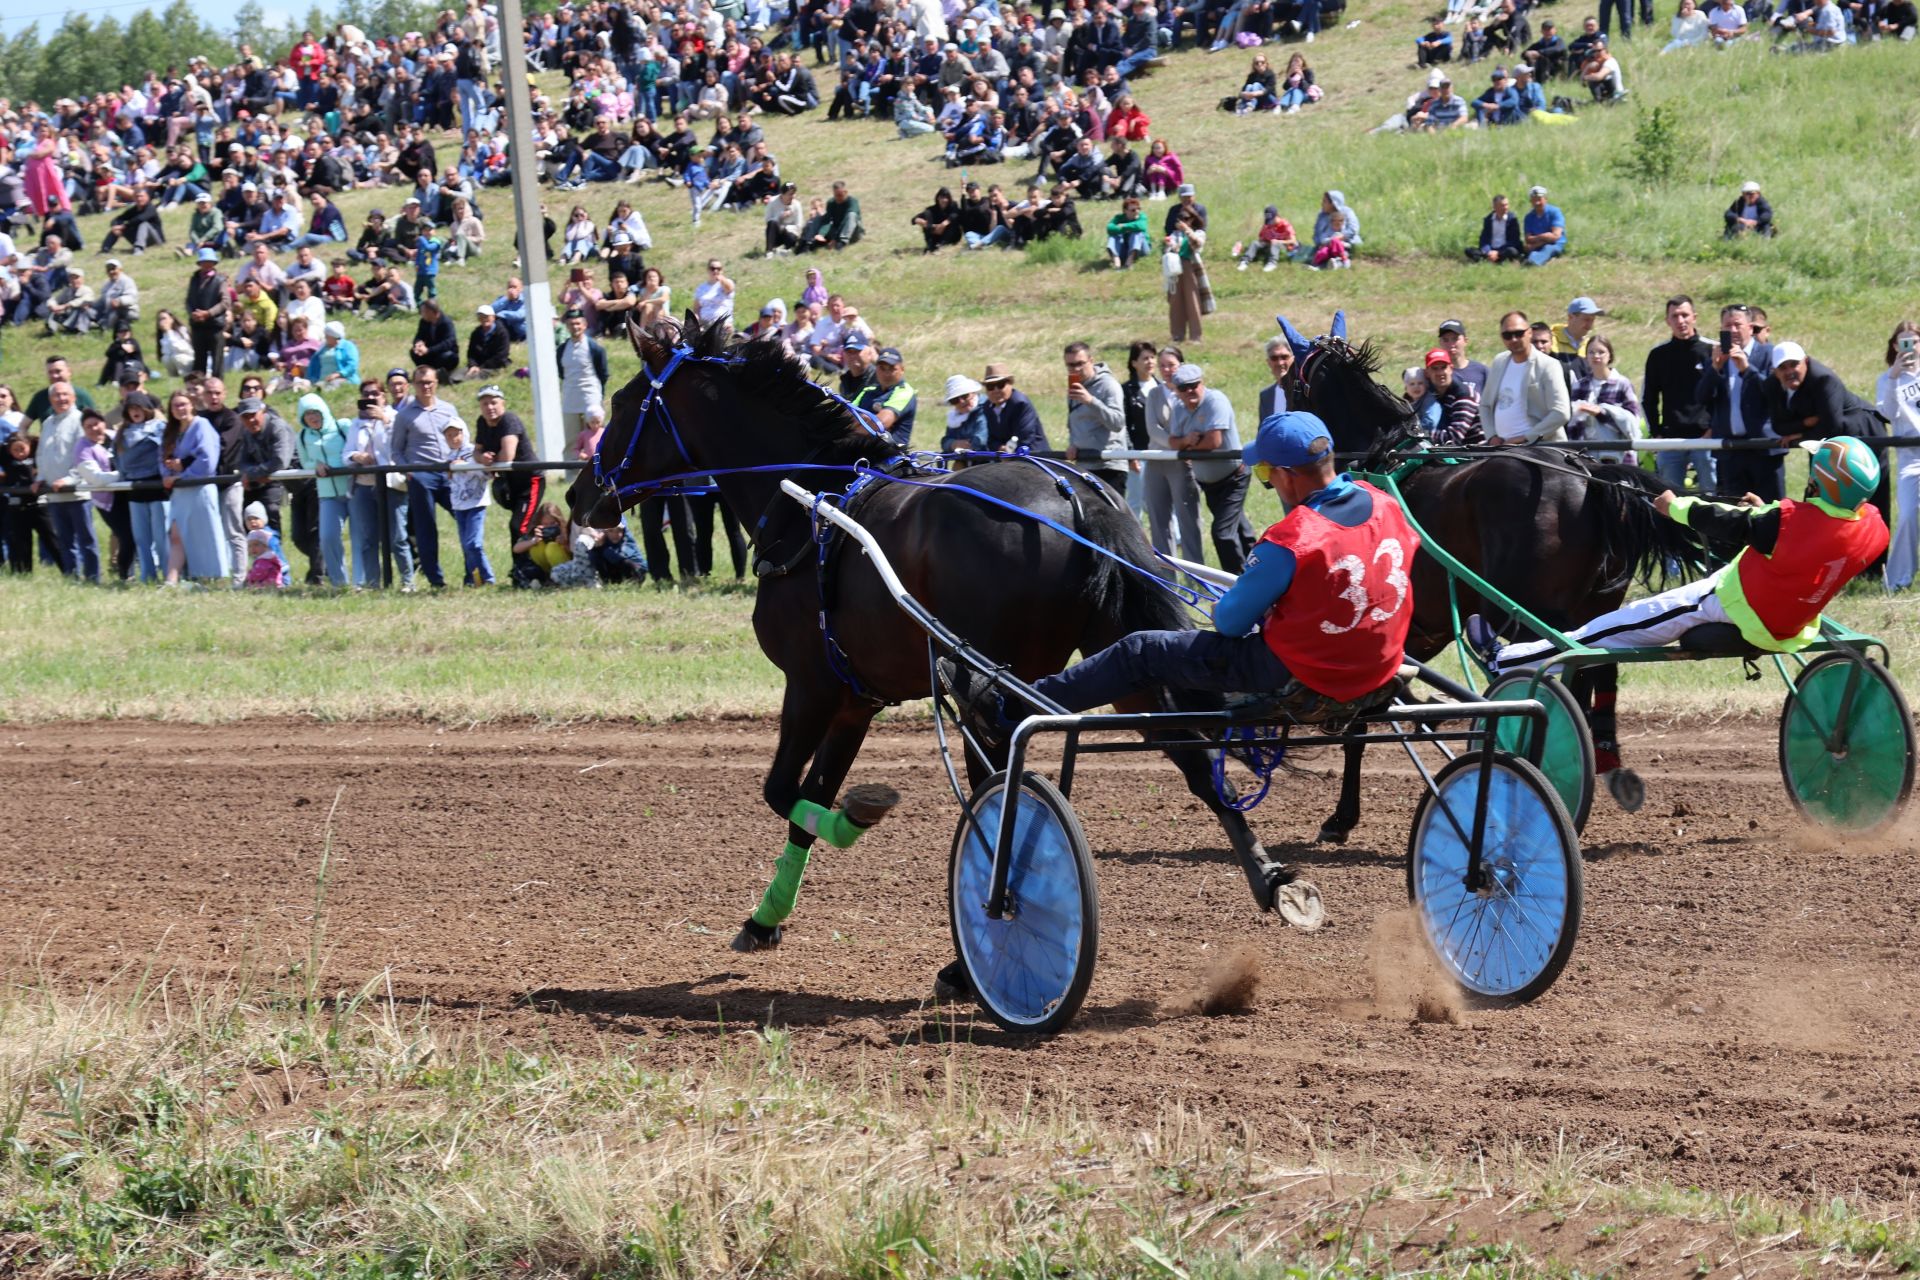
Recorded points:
(113, 262)
(252, 404)
(129, 375)
(1437, 356)
(856, 341)
(1748, 188)
(891, 355)
(1188, 375)
(248, 186)
(1788, 352)
(1292, 439)
(208, 255)
(409, 200)
(1536, 191)
(774, 307)
(484, 309)
(1454, 326)
(1184, 189)
(397, 372)
(204, 197)
(1585, 306)
(492, 391)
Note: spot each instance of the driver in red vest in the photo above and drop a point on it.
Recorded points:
(1325, 599)
(1794, 558)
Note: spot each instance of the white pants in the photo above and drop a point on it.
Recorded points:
(1905, 549)
(1643, 624)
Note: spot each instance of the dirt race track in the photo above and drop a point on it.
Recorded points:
(1739, 1011)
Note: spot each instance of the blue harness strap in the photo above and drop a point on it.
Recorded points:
(1261, 748)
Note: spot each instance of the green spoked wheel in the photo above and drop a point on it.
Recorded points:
(1567, 758)
(1846, 744)
(1506, 933)
(1030, 969)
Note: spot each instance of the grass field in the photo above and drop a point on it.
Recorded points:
(269, 1126)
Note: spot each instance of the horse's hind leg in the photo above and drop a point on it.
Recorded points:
(1346, 814)
(828, 728)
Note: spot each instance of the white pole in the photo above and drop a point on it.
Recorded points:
(542, 364)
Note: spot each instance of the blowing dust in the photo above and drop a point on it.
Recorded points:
(1228, 987)
(1406, 981)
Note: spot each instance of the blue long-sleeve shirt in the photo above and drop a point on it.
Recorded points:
(1269, 572)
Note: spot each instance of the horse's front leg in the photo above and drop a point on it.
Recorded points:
(828, 728)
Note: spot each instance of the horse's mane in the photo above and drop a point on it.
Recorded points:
(1364, 416)
(769, 370)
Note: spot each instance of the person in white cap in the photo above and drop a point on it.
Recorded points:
(966, 418)
(1749, 213)
(489, 349)
(337, 362)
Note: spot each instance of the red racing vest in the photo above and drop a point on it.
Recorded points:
(1815, 555)
(1341, 628)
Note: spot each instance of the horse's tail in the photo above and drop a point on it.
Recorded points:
(1635, 540)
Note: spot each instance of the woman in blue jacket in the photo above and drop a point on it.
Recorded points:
(138, 446)
(191, 451)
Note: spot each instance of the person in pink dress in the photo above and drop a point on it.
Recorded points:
(41, 175)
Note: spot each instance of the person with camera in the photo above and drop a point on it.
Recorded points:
(1734, 389)
(542, 549)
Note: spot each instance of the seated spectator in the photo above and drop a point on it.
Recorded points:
(1275, 241)
(1332, 251)
(1473, 41)
(839, 222)
(119, 301)
(1257, 90)
(435, 344)
(172, 345)
(912, 117)
(1296, 86)
(1898, 19)
(1085, 171)
(1500, 238)
(1821, 32)
(966, 430)
(1749, 213)
(72, 309)
(1435, 47)
(1126, 235)
(338, 288)
(1689, 28)
(1162, 170)
(1123, 176)
(337, 362)
(296, 350)
(139, 225)
(248, 344)
(465, 232)
(1499, 103)
(939, 222)
(1531, 99)
(1446, 110)
(1127, 120)
(1601, 73)
(1726, 23)
(266, 570)
(488, 345)
(122, 353)
(1543, 230)
(579, 240)
(1548, 56)
(542, 548)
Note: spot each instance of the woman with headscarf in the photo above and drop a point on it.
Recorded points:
(191, 451)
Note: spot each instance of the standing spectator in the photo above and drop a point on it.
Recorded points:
(321, 445)
(1452, 338)
(583, 375)
(1458, 401)
(1671, 397)
(138, 444)
(266, 447)
(468, 492)
(1897, 394)
(376, 498)
(1570, 338)
(1734, 389)
(1096, 417)
(1273, 396)
(1544, 229)
(1604, 406)
(207, 309)
(1172, 495)
(1749, 213)
(69, 513)
(1530, 402)
(1189, 295)
(1201, 419)
(419, 440)
(1012, 421)
(1500, 239)
(198, 545)
(712, 297)
(500, 437)
(1807, 400)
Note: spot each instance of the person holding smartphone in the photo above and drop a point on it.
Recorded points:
(1898, 397)
(1734, 389)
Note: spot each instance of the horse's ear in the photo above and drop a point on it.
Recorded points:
(1293, 337)
(1339, 329)
(652, 350)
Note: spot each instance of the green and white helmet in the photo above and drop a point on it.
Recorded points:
(1843, 470)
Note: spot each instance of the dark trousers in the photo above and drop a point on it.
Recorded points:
(1507, 252)
(703, 507)
(303, 510)
(656, 513)
(521, 495)
(1753, 471)
(424, 490)
(1625, 10)
(1233, 535)
(24, 520)
(119, 518)
(209, 347)
(1203, 661)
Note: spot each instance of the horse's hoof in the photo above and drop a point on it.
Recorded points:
(1299, 905)
(952, 985)
(1332, 832)
(868, 802)
(1626, 788)
(754, 936)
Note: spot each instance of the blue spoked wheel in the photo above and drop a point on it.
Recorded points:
(1030, 969)
(1567, 757)
(1508, 937)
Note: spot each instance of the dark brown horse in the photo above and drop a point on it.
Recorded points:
(1561, 536)
(1023, 594)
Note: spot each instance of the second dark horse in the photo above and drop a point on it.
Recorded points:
(1023, 594)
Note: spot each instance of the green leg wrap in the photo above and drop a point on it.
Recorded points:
(829, 824)
(776, 904)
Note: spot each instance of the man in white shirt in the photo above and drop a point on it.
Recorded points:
(1530, 401)
(1726, 23)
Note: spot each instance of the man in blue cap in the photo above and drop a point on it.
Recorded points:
(1325, 599)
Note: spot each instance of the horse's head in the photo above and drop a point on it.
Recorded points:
(629, 454)
(1334, 379)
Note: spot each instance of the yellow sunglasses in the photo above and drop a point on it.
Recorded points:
(1263, 472)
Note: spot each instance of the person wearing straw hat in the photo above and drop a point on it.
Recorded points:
(966, 418)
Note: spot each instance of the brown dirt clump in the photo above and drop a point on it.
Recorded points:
(1229, 986)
